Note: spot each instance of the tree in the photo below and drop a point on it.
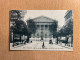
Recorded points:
(31, 25)
(69, 27)
(16, 17)
(62, 32)
(17, 14)
(53, 28)
(67, 30)
(20, 27)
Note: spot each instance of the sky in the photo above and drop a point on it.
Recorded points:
(54, 14)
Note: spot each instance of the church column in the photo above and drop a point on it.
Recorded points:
(48, 32)
(44, 31)
(40, 32)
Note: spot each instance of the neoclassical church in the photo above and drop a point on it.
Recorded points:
(43, 24)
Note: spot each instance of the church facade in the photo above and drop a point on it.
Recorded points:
(43, 27)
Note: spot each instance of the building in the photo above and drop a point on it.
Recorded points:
(43, 24)
(69, 16)
(69, 25)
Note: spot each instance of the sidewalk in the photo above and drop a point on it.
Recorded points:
(38, 46)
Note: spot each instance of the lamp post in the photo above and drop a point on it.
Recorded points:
(43, 45)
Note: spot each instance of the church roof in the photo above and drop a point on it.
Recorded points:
(43, 19)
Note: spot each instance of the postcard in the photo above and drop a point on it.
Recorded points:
(41, 30)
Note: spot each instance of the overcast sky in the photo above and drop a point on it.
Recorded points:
(54, 14)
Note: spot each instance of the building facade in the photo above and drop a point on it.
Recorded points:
(69, 16)
(43, 27)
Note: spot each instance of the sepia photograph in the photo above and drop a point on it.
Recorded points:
(41, 30)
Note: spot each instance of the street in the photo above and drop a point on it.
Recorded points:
(38, 46)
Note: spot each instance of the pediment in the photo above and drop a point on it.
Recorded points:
(43, 19)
